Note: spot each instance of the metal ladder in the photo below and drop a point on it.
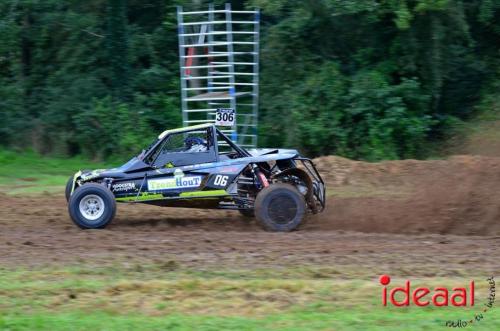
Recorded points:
(219, 68)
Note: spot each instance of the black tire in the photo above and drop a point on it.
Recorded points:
(69, 186)
(90, 197)
(280, 207)
(248, 213)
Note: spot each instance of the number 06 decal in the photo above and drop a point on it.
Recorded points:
(221, 180)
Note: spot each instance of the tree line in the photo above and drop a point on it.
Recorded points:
(365, 79)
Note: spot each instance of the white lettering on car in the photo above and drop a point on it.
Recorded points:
(123, 187)
(221, 180)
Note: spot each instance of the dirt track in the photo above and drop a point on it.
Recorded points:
(408, 211)
(456, 196)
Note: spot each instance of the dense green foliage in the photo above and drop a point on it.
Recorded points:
(364, 79)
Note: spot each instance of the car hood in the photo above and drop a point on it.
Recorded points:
(91, 175)
(133, 164)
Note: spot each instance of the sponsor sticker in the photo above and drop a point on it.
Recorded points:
(123, 187)
(229, 169)
(197, 166)
(92, 175)
(174, 183)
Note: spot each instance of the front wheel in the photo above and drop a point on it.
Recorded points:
(280, 207)
(92, 206)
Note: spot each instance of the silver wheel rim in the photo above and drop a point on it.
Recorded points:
(91, 207)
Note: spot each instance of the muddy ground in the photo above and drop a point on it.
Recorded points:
(428, 218)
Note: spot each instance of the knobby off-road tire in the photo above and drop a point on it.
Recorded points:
(92, 206)
(280, 207)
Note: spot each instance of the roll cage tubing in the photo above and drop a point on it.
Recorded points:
(213, 131)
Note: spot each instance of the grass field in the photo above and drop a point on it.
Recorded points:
(28, 173)
(120, 298)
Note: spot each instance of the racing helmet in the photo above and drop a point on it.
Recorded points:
(195, 144)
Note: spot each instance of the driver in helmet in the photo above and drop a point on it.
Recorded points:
(195, 144)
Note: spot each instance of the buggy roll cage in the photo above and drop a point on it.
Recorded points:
(213, 132)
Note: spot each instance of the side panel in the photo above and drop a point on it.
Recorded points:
(209, 180)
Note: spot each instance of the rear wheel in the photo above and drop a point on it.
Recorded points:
(280, 207)
(92, 206)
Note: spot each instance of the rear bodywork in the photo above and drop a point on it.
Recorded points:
(211, 179)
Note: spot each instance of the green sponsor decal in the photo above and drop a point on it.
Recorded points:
(197, 194)
(141, 197)
(201, 194)
(94, 174)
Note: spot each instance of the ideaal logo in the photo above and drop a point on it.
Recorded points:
(439, 296)
(424, 296)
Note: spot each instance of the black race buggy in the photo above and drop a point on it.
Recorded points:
(200, 167)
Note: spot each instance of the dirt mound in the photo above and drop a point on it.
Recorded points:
(459, 195)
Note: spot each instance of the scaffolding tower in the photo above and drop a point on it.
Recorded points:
(219, 68)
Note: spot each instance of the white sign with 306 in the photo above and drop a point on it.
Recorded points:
(225, 117)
